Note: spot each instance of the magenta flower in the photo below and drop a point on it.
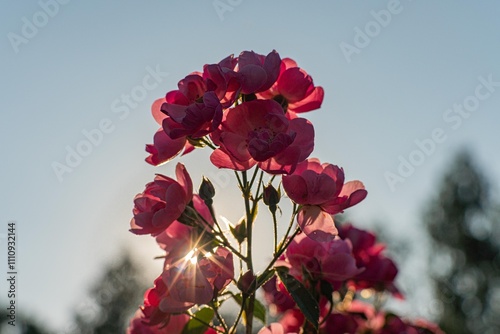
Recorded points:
(277, 297)
(190, 111)
(223, 80)
(380, 271)
(161, 203)
(218, 268)
(158, 306)
(341, 323)
(331, 261)
(187, 284)
(258, 72)
(294, 89)
(195, 118)
(139, 324)
(321, 191)
(178, 239)
(164, 148)
(200, 276)
(274, 328)
(257, 132)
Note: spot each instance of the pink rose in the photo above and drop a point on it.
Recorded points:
(294, 89)
(198, 276)
(380, 271)
(139, 325)
(257, 132)
(258, 72)
(321, 191)
(331, 261)
(162, 202)
(164, 148)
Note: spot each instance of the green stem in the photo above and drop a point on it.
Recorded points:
(275, 227)
(208, 143)
(249, 315)
(216, 234)
(249, 220)
(221, 319)
(290, 224)
(235, 325)
(240, 183)
(247, 194)
(253, 178)
(283, 245)
(278, 254)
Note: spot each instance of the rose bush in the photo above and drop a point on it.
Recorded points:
(246, 110)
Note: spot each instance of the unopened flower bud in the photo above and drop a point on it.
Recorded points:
(207, 191)
(247, 282)
(271, 197)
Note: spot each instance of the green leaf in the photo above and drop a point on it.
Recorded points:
(194, 326)
(259, 310)
(326, 290)
(305, 301)
(239, 231)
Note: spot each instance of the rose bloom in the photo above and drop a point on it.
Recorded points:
(164, 148)
(277, 297)
(380, 271)
(223, 80)
(294, 89)
(200, 276)
(258, 133)
(162, 202)
(139, 325)
(321, 191)
(157, 309)
(331, 261)
(258, 73)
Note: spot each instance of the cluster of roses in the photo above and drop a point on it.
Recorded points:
(246, 109)
(336, 272)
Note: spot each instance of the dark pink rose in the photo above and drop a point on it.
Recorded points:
(321, 191)
(257, 132)
(331, 261)
(258, 72)
(294, 89)
(162, 202)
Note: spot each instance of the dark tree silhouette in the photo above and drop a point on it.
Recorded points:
(115, 296)
(465, 266)
(24, 325)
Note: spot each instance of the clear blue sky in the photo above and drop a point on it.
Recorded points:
(388, 84)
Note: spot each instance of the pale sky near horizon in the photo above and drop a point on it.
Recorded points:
(426, 74)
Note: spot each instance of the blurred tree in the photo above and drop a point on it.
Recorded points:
(114, 298)
(24, 325)
(463, 224)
